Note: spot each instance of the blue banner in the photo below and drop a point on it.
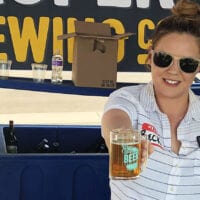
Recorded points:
(29, 28)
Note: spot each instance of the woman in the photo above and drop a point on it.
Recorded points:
(165, 106)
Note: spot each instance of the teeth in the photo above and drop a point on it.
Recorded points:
(171, 82)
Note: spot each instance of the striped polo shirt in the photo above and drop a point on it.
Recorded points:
(167, 176)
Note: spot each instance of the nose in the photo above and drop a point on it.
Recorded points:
(174, 67)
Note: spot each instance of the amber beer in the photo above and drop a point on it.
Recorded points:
(125, 156)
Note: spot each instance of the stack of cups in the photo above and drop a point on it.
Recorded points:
(5, 66)
(39, 72)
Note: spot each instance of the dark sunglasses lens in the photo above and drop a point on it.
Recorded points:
(188, 65)
(162, 59)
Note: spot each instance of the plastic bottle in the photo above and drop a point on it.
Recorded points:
(57, 68)
(11, 140)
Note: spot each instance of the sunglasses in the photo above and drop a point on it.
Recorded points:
(163, 60)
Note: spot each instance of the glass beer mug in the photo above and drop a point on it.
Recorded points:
(125, 154)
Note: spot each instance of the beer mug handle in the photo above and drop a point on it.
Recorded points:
(145, 140)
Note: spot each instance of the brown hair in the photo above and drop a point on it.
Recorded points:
(185, 18)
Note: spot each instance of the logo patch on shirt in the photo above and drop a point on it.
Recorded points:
(152, 135)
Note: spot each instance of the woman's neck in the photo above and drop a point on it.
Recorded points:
(173, 107)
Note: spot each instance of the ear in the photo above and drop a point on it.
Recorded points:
(148, 59)
(150, 48)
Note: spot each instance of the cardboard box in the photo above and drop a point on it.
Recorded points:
(94, 54)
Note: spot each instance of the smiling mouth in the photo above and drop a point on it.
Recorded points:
(171, 82)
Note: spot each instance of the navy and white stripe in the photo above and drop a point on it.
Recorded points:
(167, 176)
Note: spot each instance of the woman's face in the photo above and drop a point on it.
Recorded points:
(172, 82)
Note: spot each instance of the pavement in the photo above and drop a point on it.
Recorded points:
(32, 107)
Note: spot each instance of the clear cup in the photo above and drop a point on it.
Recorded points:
(125, 154)
(5, 66)
(39, 72)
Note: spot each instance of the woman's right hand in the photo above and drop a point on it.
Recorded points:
(147, 150)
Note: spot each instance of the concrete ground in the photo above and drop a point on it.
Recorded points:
(30, 107)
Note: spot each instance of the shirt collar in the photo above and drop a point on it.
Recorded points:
(147, 98)
(194, 107)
